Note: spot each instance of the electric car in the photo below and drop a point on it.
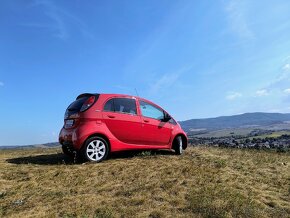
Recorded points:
(97, 124)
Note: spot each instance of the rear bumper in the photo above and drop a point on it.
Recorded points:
(70, 139)
(77, 136)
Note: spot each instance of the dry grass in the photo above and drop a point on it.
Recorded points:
(204, 182)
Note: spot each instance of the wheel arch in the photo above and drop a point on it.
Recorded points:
(184, 141)
(100, 135)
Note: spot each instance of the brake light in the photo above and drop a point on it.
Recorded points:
(88, 103)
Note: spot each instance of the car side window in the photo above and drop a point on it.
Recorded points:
(121, 105)
(149, 110)
(109, 106)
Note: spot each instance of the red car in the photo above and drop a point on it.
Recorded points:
(97, 124)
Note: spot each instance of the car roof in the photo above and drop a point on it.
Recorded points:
(127, 96)
(107, 95)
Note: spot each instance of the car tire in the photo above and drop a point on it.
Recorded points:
(96, 149)
(178, 145)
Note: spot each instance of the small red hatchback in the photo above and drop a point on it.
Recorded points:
(97, 124)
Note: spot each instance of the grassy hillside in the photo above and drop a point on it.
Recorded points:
(204, 182)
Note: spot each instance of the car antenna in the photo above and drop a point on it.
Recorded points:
(136, 92)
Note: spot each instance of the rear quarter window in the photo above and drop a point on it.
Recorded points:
(109, 106)
(121, 105)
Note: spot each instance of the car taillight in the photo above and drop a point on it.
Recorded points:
(88, 103)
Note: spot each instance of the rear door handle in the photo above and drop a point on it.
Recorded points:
(146, 121)
(111, 116)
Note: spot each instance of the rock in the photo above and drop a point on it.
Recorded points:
(19, 202)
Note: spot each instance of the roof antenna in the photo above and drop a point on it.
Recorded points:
(136, 92)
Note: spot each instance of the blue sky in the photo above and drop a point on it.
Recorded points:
(194, 58)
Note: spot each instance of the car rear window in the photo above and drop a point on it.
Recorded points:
(77, 104)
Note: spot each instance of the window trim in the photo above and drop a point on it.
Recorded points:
(119, 112)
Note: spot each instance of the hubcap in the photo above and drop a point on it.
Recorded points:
(96, 150)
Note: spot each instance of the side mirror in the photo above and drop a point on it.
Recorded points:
(166, 117)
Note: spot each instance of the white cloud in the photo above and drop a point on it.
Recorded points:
(61, 21)
(286, 67)
(56, 16)
(283, 79)
(233, 95)
(262, 92)
(236, 11)
(1, 83)
(287, 91)
(168, 80)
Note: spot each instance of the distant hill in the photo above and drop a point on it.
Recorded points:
(47, 145)
(236, 121)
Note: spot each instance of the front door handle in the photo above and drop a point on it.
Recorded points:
(111, 116)
(146, 121)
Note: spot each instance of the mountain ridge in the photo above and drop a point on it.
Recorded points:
(236, 121)
(45, 145)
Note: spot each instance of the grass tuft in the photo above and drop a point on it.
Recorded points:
(104, 213)
(220, 201)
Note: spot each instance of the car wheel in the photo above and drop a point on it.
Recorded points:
(178, 145)
(96, 149)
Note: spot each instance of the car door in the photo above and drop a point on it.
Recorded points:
(154, 130)
(120, 116)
